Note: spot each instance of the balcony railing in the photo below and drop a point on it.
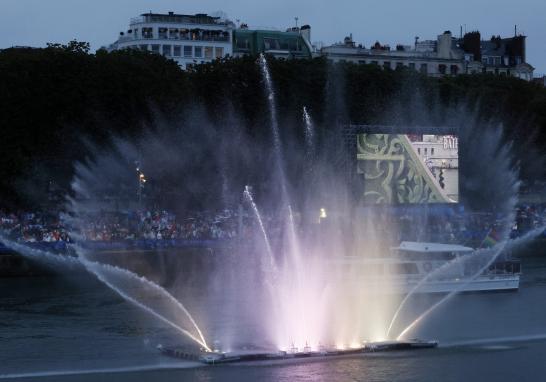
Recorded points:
(176, 19)
(180, 38)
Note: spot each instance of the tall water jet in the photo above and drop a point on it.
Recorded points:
(309, 134)
(277, 143)
(272, 105)
(291, 272)
(256, 211)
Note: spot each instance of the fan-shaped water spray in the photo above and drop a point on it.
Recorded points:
(107, 273)
(493, 151)
(136, 287)
(490, 255)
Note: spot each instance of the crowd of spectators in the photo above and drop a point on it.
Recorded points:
(449, 226)
(33, 226)
(159, 225)
(108, 226)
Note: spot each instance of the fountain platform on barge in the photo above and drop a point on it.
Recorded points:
(217, 357)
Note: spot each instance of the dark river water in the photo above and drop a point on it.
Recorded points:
(72, 328)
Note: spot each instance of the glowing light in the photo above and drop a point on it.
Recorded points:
(355, 345)
(323, 213)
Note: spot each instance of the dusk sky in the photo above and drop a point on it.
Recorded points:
(36, 22)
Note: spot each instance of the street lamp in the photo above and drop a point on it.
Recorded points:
(141, 182)
(322, 214)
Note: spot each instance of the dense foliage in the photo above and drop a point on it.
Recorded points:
(55, 101)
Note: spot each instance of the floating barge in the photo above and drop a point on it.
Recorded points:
(211, 358)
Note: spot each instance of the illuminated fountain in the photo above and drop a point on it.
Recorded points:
(293, 284)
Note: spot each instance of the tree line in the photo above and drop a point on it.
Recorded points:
(57, 102)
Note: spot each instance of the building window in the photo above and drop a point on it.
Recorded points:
(173, 33)
(219, 52)
(243, 43)
(187, 50)
(208, 52)
(442, 69)
(386, 64)
(425, 151)
(155, 48)
(293, 45)
(412, 65)
(362, 62)
(184, 34)
(272, 43)
(166, 50)
(199, 51)
(454, 69)
(176, 51)
(375, 62)
(144, 47)
(419, 150)
(147, 33)
(162, 32)
(423, 68)
(194, 34)
(399, 65)
(432, 151)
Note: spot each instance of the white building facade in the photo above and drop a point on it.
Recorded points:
(446, 55)
(186, 39)
(434, 58)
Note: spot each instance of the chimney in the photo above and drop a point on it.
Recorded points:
(305, 32)
(471, 44)
(444, 45)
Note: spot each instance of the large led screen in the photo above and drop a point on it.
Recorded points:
(408, 168)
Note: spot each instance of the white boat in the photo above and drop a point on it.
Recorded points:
(435, 267)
